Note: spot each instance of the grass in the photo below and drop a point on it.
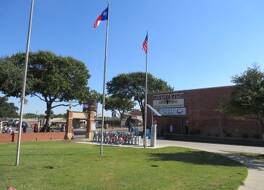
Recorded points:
(70, 166)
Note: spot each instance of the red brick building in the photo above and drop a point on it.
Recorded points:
(196, 112)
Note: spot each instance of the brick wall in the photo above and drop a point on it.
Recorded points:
(32, 137)
(5, 138)
(205, 119)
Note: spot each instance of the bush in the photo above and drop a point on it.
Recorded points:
(256, 136)
(227, 134)
(195, 132)
(245, 135)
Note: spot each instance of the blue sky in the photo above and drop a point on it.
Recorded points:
(193, 43)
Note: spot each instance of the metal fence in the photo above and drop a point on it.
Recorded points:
(117, 137)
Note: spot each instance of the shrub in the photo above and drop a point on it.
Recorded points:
(245, 135)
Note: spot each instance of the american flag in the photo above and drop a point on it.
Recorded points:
(145, 44)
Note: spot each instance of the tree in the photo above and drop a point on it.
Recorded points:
(31, 115)
(132, 86)
(94, 95)
(7, 109)
(248, 96)
(53, 79)
(122, 105)
(10, 77)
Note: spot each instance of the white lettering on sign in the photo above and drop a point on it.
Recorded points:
(172, 111)
(169, 96)
(168, 103)
(171, 104)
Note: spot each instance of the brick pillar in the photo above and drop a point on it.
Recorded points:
(91, 116)
(69, 128)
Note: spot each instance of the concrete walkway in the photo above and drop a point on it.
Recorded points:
(255, 178)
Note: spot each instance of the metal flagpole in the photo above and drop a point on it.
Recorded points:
(146, 100)
(24, 84)
(105, 64)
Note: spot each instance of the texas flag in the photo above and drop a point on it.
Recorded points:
(103, 16)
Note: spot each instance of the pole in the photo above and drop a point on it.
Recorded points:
(24, 84)
(152, 130)
(105, 69)
(146, 100)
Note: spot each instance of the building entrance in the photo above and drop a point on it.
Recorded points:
(81, 123)
(171, 125)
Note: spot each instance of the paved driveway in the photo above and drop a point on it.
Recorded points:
(255, 178)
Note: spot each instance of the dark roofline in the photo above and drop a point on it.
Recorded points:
(195, 89)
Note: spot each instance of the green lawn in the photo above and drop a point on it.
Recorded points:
(65, 166)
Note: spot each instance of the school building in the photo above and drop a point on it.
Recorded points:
(197, 112)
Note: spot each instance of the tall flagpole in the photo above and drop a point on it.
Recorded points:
(105, 64)
(24, 84)
(146, 100)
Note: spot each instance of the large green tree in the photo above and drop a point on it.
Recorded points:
(119, 104)
(248, 96)
(7, 109)
(132, 86)
(53, 79)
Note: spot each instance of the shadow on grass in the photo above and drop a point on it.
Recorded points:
(195, 157)
(252, 156)
(251, 161)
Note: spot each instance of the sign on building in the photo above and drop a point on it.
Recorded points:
(170, 104)
(172, 111)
